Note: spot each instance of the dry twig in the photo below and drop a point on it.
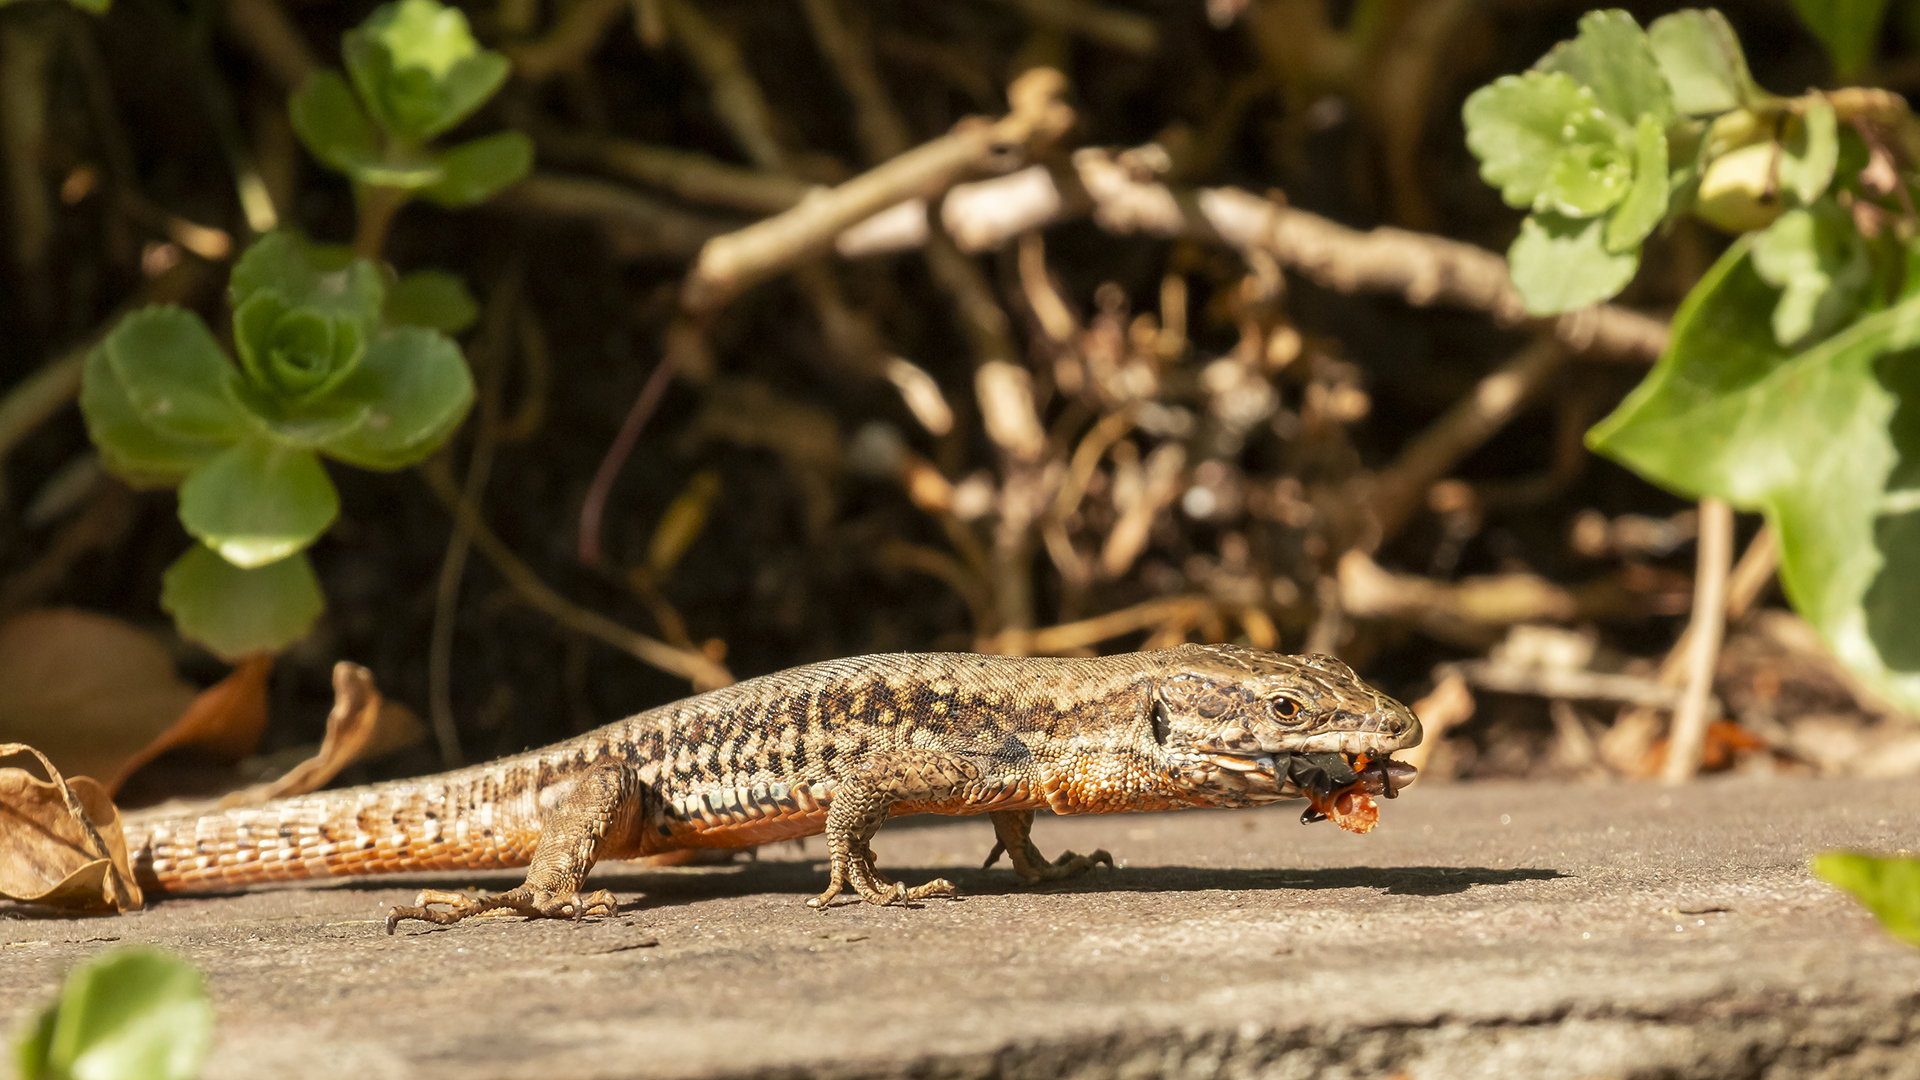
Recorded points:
(1709, 620)
(1162, 613)
(732, 263)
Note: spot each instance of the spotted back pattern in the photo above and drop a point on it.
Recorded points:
(758, 761)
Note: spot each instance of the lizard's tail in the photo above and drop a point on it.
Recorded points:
(468, 820)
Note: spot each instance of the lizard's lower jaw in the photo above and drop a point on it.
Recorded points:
(1249, 773)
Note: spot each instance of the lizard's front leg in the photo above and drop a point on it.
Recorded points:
(863, 795)
(570, 843)
(1013, 832)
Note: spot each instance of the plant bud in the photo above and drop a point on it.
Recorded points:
(1738, 193)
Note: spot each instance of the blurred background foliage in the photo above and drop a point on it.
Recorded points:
(1005, 423)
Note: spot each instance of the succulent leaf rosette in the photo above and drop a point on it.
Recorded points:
(414, 71)
(324, 369)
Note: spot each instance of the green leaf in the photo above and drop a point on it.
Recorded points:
(431, 298)
(131, 1014)
(1612, 58)
(92, 7)
(130, 448)
(1589, 180)
(331, 123)
(1850, 29)
(258, 502)
(419, 69)
(237, 612)
(1646, 204)
(467, 87)
(422, 34)
(1519, 126)
(1703, 62)
(295, 354)
(474, 171)
(1825, 443)
(1818, 260)
(419, 389)
(174, 375)
(320, 277)
(1809, 151)
(1559, 264)
(1890, 888)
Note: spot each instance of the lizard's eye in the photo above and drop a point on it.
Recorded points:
(1285, 708)
(1162, 724)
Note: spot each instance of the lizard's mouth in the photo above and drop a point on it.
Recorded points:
(1325, 773)
(1338, 786)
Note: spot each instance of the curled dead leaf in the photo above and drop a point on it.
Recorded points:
(61, 843)
(360, 720)
(226, 719)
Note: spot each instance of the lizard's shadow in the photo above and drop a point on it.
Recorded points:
(666, 887)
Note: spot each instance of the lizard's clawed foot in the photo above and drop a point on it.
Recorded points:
(523, 900)
(1034, 868)
(1068, 865)
(856, 869)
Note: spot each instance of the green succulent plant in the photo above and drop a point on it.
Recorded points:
(324, 369)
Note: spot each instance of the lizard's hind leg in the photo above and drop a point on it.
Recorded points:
(602, 806)
(1013, 832)
(861, 799)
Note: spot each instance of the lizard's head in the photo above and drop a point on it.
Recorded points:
(1255, 726)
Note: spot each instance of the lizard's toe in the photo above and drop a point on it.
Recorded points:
(936, 887)
(575, 906)
(1068, 865)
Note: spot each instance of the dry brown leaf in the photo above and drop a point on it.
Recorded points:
(89, 691)
(226, 719)
(353, 727)
(61, 843)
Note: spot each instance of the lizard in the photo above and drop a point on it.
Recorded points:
(834, 747)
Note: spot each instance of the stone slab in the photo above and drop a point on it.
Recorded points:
(1546, 932)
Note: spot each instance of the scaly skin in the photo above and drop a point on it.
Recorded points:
(835, 747)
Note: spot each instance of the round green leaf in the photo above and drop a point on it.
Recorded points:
(1560, 264)
(1519, 126)
(332, 125)
(474, 171)
(1612, 58)
(131, 1014)
(431, 298)
(467, 86)
(1588, 181)
(259, 502)
(130, 448)
(1703, 62)
(418, 389)
(238, 612)
(370, 66)
(321, 277)
(174, 375)
(1646, 204)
